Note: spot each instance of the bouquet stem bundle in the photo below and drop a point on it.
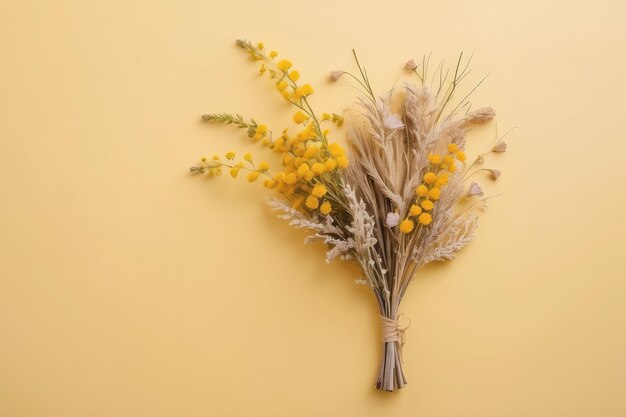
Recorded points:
(395, 202)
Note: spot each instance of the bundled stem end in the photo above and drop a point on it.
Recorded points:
(391, 376)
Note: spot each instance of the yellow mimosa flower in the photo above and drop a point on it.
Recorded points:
(319, 190)
(300, 117)
(434, 194)
(312, 202)
(325, 208)
(421, 190)
(430, 177)
(427, 205)
(406, 226)
(415, 210)
(284, 65)
(425, 219)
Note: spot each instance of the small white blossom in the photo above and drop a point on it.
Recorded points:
(393, 122)
(392, 219)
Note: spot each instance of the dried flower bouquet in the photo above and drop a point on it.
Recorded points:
(395, 202)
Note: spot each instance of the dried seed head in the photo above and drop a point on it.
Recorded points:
(410, 65)
(474, 189)
(495, 173)
(500, 146)
(335, 75)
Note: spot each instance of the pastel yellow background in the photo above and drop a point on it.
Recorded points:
(130, 288)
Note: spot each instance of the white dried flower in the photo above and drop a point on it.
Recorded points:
(495, 173)
(500, 146)
(392, 219)
(474, 189)
(335, 75)
(393, 122)
(410, 65)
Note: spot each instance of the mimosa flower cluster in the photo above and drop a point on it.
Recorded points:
(398, 198)
(308, 177)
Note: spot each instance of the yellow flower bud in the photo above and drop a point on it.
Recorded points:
(406, 226)
(427, 205)
(319, 190)
(415, 210)
(300, 117)
(434, 194)
(294, 76)
(342, 161)
(312, 202)
(291, 178)
(311, 151)
(253, 176)
(317, 168)
(430, 177)
(325, 208)
(302, 169)
(425, 219)
(434, 159)
(452, 148)
(335, 149)
(284, 65)
(269, 183)
(305, 90)
(442, 179)
(330, 164)
(421, 190)
(264, 166)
